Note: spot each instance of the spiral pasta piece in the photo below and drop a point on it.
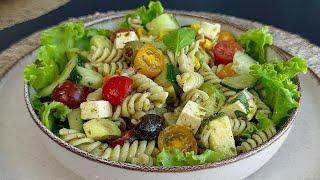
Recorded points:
(189, 80)
(134, 105)
(79, 140)
(142, 83)
(112, 68)
(208, 74)
(194, 95)
(261, 106)
(256, 140)
(103, 51)
(135, 22)
(239, 125)
(141, 153)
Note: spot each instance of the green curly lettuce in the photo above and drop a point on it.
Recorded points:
(255, 41)
(279, 92)
(146, 15)
(175, 157)
(51, 112)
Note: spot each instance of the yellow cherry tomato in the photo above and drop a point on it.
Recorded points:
(226, 71)
(179, 137)
(226, 36)
(149, 61)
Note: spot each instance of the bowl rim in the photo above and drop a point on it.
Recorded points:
(161, 169)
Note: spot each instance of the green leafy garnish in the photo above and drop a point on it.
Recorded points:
(146, 15)
(264, 122)
(178, 39)
(175, 157)
(255, 42)
(172, 73)
(279, 92)
(51, 112)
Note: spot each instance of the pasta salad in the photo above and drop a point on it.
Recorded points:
(153, 92)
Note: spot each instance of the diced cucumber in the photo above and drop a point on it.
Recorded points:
(75, 121)
(162, 24)
(89, 78)
(239, 82)
(62, 77)
(242, 62)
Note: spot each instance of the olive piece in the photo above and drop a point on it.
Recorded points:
(149, 127)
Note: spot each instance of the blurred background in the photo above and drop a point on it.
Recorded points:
(297, 16)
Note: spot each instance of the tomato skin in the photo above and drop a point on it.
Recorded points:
(116, 89)
(226, 71)
(121, 140)
(149, 61)
(70, 94)
(223, 51)
(114, 34)
(226, 36)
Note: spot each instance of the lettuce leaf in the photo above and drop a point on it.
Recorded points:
(51, 112)
(41, 73)
(175, 157)
(264, 122)
(146, 15)
(279, 92)
(255, 42)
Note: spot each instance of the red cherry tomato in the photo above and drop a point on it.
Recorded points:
(114, 34)
(70, 94)
(116, 89)
(223, 51)
(121, 140)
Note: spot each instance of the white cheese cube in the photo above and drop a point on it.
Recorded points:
(191, 116)
(209, 30)
(221, 137)
(95, 109)
(124, 37)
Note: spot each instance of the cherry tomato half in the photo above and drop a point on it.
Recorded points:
(226, 71)
(116, 89)
(226, 36)
(121, 140)
(70, 94)
(180, 137)
(149, 61)
(114, 34)
(223, 51)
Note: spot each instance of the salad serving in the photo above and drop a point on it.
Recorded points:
(153, 92)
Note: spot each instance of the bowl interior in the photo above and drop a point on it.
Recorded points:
(184, 19)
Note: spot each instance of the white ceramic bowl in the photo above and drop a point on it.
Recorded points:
(91, 167)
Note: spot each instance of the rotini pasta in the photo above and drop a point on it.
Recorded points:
(189, 80)
(103, 51)
(261, 106)
(136, 153)
(256, 140)
(143, 84)
(194, 95)
(112, 68)
(239, 125)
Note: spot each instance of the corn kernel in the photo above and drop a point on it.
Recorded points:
(197, 64)
(207, 44)
(195, 26)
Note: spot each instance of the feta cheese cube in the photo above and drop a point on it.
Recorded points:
(95, 109)
(209, 30)
(191, 116)
(123, 37)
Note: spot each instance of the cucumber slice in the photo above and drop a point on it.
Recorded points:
(242, 62)
(163, 23)
(89, 78)
(75, 121)
(239, 82)
(62, 77)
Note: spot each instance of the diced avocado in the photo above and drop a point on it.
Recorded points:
(73, 60)
(162, 24)
(221, 137)
(75, 121)
(89, 78)
(241, 106)
(216, 98)
(101, 129)
(204, 131)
